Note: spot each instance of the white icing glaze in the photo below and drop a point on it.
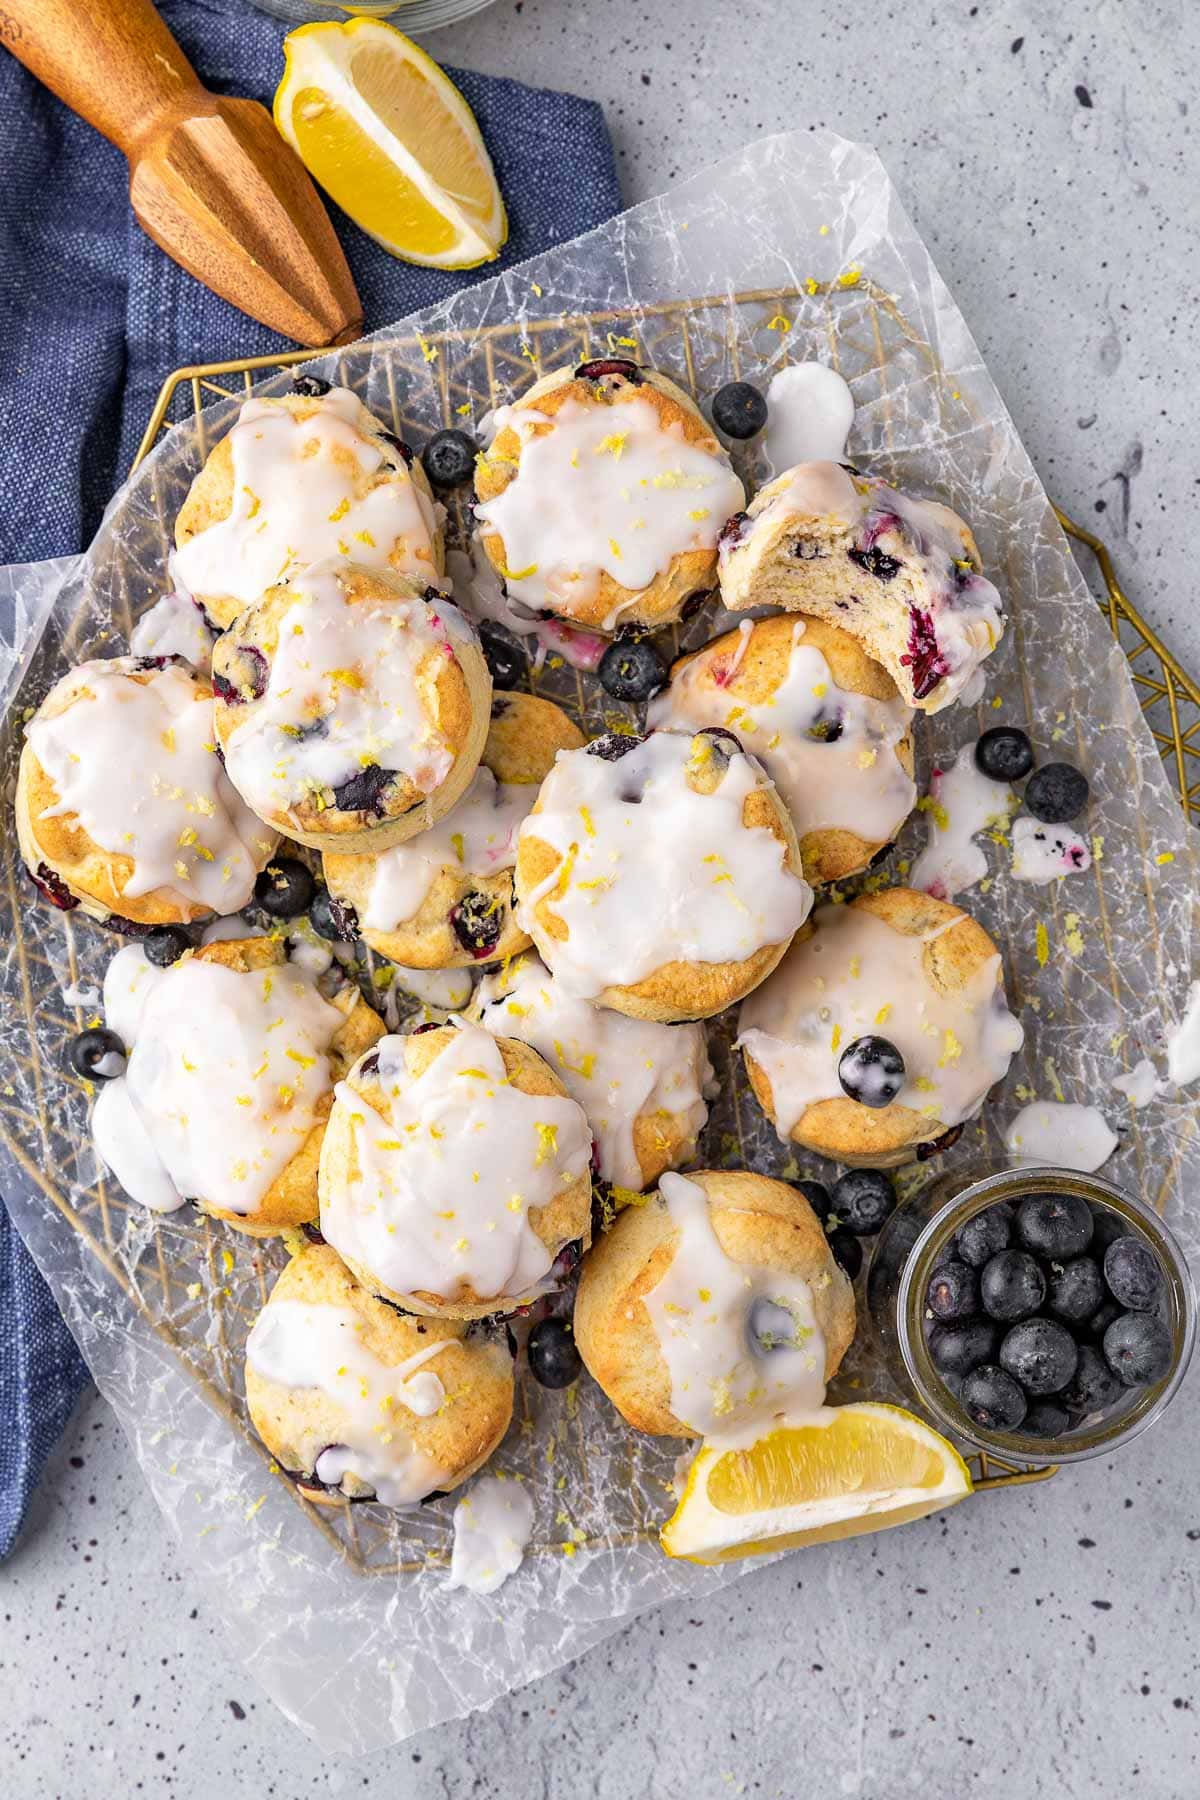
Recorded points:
(657, 872)
(1053, 1134)
(442, 1188)
(1183, 1042)
(619, 1069)
(810, 411)
(360, 668)
(446, 990)
(299, 1345)
(973, 689)
(80, 996)
(962, 800)
(293, 504)
(129, 980)
(174, 626)
(857, 977)
(854, 783)
(963, 610)
(605, 489)
(225, 1074)
(1041, 853)
(741, 1344)
(480, 592)
(478, 836)
(135, 762)
(492, 1527)
(124, 1146)
(1140, 1085)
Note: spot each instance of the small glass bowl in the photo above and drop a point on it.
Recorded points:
(406, 15)
(906, 1253)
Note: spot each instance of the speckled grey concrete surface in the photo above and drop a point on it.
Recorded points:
(1040, 1642)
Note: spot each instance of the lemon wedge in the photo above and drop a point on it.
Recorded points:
(843, 1471)
(391, 139)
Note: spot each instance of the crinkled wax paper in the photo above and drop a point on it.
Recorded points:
(794, 248)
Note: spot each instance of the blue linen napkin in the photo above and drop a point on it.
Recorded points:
(92, 318)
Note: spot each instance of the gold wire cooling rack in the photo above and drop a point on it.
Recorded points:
(694, 338)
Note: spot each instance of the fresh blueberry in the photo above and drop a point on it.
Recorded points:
(1101, 1319)
(1045, 1419)
(1133, 1273)
(1107, 1227)
(165, 945)
(957, 1349)
(553, 1358)
(631, 670)
(739, 410)
(334, 920)
(449, 459)
(1093, 1387)
(1055, 1225)
(1138, 1349)
(285, 888)
(953, 1292)
(476, 922)
(1056, 792)
(1004, 754)
(817, 1195)
(1041, 1354)
(1012, 1286)
(863, 1200)
(312, 387)
(611, 746)
(871, 1071)
(503, 655)
(1075, 1289)
(985, 1235)
(847, 1251)
(876, 562)
(365, 791)
(90, 1054)
(992, 1399)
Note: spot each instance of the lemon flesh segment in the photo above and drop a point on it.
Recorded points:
(846, 1471)
(391, 139)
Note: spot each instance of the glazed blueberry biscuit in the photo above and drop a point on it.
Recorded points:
(361, 1402)
(455, 1174)
(882, 1030)
(824, 720)
(233, 1053)
(901, 575)
(351, 707)
(714, 1308)
(298, 480)
(123, 808)
(643, 1086)
(602, 495)
(660, 876)
(444, 899)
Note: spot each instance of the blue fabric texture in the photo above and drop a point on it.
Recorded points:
(92, 319)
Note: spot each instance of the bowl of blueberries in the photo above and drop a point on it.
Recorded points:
(1042, 1315)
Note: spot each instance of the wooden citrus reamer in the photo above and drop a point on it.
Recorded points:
(210, 179)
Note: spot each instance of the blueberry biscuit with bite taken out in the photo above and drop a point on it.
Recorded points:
(299, 479)
(902, 575)
(358, 1401)
(351, 707)
(444, 899)
(601, 497)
